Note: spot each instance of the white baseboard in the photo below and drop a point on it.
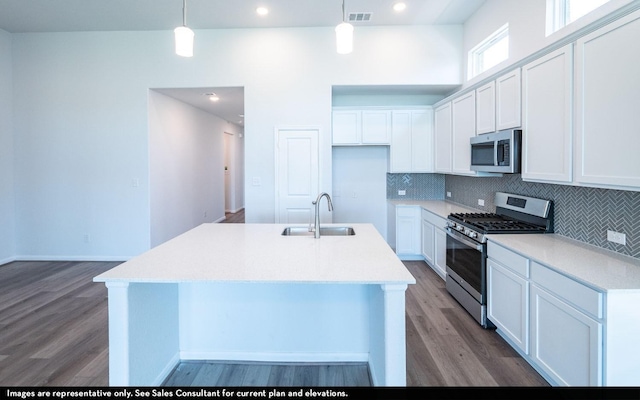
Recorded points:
(274, 357)
(175, 360)
(72, 258)
(219, 220)
(7, 260)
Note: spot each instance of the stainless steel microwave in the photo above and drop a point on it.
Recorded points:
(497, 152)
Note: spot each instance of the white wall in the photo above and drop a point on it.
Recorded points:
(81, 118)
(7, 210)
(360, 185)
(234, 151)
(527, 21)
(186, 167)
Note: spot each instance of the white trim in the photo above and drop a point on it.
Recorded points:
(557, 15)
(276, 151)
(478, 50)
(72, 258)
(274, 356)
(164, 374)
(7, 260)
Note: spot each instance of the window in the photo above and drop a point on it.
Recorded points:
(561, 13)
(489, 52)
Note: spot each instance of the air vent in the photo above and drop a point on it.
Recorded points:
(359, 17)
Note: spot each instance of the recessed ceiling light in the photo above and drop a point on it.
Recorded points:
(262, 11)
(212, 96)
(399, 6)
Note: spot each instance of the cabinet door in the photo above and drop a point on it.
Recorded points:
(508, 101)
(401, 141)
(346, 127)
(442, 138)
(422, 140)
(428, 242)
(546, 136)
(440, 246)
(608, 116)
(508, 303)
(464, 128)
(376, 127)
(408, 225)
(486, 108)
(565, 343)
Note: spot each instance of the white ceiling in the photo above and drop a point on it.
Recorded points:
(18, 16)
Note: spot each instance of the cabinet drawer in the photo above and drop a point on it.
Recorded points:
(581, 296)
(508, 259)
(436, 220)
(408, 211)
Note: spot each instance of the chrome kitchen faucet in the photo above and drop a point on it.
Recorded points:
(317, 204)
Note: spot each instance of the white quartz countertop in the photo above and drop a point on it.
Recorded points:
(259, 253)
(441, 208)
(599, 268)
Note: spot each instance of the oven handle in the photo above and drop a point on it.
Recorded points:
(464, 239)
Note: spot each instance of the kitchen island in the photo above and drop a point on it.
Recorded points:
(246, 292)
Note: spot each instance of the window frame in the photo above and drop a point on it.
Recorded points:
(558, 15)
(475, 66)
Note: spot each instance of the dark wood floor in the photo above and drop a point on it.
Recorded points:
(53, 324)
(210, 373)
(53, 332)
(234, 218)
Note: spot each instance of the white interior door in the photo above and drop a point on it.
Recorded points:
(297, 174)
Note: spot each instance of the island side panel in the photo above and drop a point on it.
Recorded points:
(388, 350)
(622, 351)
(143, 332)
(303, 322)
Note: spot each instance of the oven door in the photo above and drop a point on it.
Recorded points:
(466, 261)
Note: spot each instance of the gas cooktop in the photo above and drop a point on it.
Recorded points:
(494, 223)
(514, 214)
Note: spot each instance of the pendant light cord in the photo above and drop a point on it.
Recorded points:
(344, 16)
(184, 12)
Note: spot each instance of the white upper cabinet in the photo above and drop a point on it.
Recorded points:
(608, 106)
(486, 108)
(347, 127)
(546, 108)
(463, 111)
(442, 138)
(376, 126)
(361, 127)
(498, 104)
(422, 140)
(508, 101)
(412, 141)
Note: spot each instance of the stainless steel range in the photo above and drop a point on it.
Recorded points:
(467, 245)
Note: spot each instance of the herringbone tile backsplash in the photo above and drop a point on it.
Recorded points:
(580, 213)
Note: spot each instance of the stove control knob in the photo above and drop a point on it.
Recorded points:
(473, 234)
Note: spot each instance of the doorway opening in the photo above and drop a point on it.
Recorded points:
(194, 143)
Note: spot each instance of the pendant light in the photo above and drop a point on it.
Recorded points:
(344, 35)
(184, 36)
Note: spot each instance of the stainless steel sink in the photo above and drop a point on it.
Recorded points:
(324, 231)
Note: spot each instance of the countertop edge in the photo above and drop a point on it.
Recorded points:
(572, 244)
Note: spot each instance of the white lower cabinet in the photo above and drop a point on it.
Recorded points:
(565, 343)
(555, 322)
(407, 232)
(434, 242)
(508, 303)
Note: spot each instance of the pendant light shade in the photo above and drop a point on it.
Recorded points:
(184, 36)
(344, 38)
(344, 35)
(184, 41)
